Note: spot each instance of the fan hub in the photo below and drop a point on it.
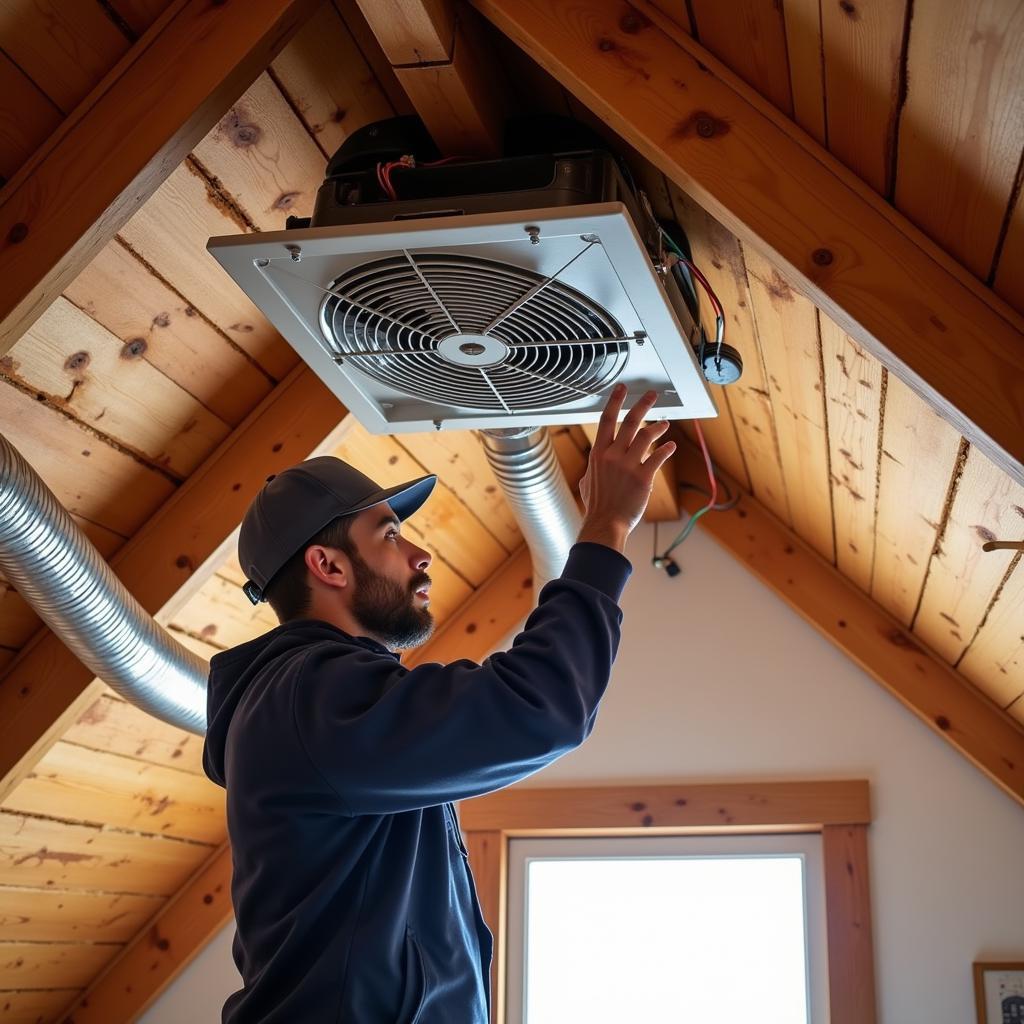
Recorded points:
(472, 350)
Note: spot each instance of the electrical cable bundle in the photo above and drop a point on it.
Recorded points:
(385, 170)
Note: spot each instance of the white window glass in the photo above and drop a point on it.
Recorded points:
(658, 930)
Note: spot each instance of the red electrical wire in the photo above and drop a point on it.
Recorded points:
(713, 483)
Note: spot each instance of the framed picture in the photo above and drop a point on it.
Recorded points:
(999, 993)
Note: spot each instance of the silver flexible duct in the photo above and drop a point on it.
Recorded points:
(525, 464)
(54, 566)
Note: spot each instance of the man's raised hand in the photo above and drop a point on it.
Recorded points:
(620, 473)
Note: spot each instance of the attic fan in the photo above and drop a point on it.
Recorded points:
(476, 294)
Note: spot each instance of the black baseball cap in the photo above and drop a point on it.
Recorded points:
(295, 505)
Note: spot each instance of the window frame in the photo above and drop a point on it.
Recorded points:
(840, 811)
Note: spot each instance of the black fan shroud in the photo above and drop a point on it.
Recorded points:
(548, 344)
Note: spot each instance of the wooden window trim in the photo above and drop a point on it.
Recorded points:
(839, 811)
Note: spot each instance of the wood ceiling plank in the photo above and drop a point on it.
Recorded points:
(717, 253)
(995, 660)
(459, 101)
(878, 277)
(138, 15)
(750, 38)
(853, 396)
(91, 374)
(806, 66)
(45, 915)
(222, 613)
(53, 964)
(572, 449)
(48, 688)
(95, 787)
(412, 31)
(962, 578)
(1009, 271)
(787, 333)
(118, 291)
(467, 545)
(158, 954)
(485, 620)
(57, 855)
(34, 1006)
(918, 459)
(170, 233)
(65, 48)
(88, 476)
(962, 129)
(26, 117)
(859, 627)
(862, 47)
(458, 459)
(328, 81)
(118, 727)
(263, 157)
(110, 155)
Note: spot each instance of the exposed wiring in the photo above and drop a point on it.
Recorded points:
(695, 272)
(385, 170)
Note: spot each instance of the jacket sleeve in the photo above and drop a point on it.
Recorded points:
(389, 739)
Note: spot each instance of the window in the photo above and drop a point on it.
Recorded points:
(710, 929)
(714, 857)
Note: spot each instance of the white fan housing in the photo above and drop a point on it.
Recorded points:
(467, 322)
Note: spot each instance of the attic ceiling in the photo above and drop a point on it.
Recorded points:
(152, 359)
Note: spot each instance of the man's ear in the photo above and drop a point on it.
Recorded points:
(328, 566)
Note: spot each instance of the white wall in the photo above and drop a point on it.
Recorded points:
(717, 680)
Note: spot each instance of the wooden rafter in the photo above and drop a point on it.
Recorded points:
(893, 291)
(122, 141)
(47, 687)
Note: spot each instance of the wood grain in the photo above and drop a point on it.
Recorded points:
(328, 81)
(723, 807)
(859, 627)
(962, 578)
(995, 660)
(77, 784)
(45, 915)
(787, 333)
(806, 65)
(862, 46)
(148, 965)
(489, 862)
(853, 394)
(918, 460)
(110, 386)
(962, 128)
(26, 117)
(119, 292)
(114, 151)
(848, 912)
(1009, 271)
(52, 964)
(65, 48)
(33, 1006)
(412, 31)
(170, 233)
(57, 855)
(771, 185)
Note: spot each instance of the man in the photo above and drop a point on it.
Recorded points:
(352, 893)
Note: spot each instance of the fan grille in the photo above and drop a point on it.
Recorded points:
(388, 317)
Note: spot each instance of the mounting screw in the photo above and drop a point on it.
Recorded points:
(262, 263)
(296, 252)
(661, 268)
(590, 238)
(639, 337)
(534, 232)
(437, 424)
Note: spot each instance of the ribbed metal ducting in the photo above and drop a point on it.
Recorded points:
(55, 568)
(525, 464)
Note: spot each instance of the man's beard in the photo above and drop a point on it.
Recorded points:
(387, 610)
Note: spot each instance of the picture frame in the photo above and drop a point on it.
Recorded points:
(999, 992)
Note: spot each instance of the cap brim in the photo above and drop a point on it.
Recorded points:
(404, 499)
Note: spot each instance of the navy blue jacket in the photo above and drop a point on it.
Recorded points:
(352, 893)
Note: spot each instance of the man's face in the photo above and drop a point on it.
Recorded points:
(389, 599)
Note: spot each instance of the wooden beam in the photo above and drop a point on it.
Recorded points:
(791, 806)
(864, 631)
(161, 950)
(435, 50)
(46, 689)
(120, 143)
(894, 292)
